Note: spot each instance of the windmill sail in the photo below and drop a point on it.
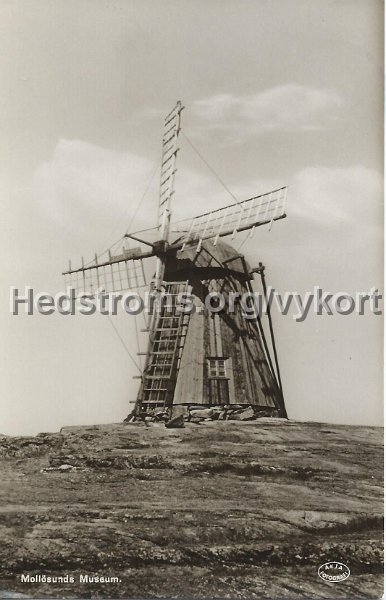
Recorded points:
(219, 359)
(240, 216)
(172, 127)
(114, 274)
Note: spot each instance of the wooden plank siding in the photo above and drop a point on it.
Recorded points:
(248, 380)
(190, 379)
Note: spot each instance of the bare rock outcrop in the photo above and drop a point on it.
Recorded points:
(237, 509)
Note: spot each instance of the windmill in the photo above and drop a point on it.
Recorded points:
(205, 358)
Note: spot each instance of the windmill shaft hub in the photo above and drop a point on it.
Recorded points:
(160, 248)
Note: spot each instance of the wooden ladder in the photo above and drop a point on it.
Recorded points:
(167, 334)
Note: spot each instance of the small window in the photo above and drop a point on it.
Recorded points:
(216, 368)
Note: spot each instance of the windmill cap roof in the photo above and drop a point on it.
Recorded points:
(221, 255)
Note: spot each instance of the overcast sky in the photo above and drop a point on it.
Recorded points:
(278, 92)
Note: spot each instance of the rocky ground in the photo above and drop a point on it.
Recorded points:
(215, 510)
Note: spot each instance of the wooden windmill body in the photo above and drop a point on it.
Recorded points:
(201, 357)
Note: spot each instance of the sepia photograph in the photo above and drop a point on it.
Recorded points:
(191, 308)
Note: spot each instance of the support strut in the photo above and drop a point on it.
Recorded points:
(260, 271)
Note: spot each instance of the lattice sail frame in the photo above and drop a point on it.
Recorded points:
(172, 126)
(117, 274)
(247, 214)
(126, 271)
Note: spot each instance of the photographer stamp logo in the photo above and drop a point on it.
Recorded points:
(334, 572)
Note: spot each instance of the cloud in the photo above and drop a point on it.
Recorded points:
(333, 197)
(88, 190)
(287, 108)
(328, 197)
(83, 184)
(84, 187)
(333, 232)
(88, 194)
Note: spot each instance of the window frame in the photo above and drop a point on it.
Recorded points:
(217, 367)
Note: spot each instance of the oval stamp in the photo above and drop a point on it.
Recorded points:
(334, 571)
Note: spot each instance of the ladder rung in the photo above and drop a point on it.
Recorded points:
(166, 331)
(165, 191)
(141, 353)
(158, 377)
(170, 138)
(165, 352)
(158, 365)
(160, 403)
(168, 131)
(176, 293)
(173, 328)
(167, 150)
(169, 158)
(168, 177)
(155, 390)
(168, 349)
(166, 171)
(173, 116)
(175, 110)
(165, 336)
(137, 376)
